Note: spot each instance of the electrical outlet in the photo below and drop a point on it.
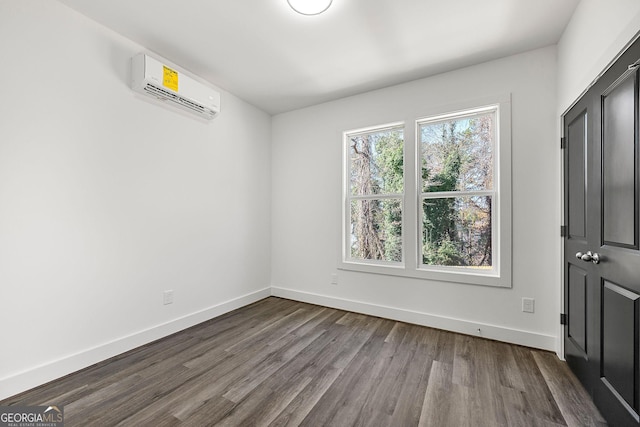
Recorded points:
(167, 297)
(528, 305)
(334, 279)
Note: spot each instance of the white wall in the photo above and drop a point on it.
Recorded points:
(597, 32)
(306, 177)
(107, 199)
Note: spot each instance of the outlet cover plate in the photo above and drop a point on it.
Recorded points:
(528, 305)
(167, 297)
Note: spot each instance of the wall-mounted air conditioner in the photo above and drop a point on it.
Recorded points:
(153, 77)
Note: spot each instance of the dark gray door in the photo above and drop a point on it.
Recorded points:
(602, 257)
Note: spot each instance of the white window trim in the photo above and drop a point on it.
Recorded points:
(501, 274)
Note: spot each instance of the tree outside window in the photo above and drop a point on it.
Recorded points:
(457, 175)
(376, 191)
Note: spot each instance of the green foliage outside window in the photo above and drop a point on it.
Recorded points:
(457, 156)
(377, 169)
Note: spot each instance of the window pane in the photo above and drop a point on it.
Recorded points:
(457, 231)
(457, 154)
(376, 162)
(376, 229)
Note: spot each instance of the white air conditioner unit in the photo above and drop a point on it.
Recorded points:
(153, 77)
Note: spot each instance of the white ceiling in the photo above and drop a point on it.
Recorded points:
(263, 52)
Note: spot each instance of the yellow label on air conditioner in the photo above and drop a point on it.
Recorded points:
(170, 78)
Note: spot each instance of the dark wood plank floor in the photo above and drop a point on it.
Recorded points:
(279, 362)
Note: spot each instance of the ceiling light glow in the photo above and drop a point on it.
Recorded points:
(310, 7)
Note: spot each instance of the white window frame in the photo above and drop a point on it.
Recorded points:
(412, 267)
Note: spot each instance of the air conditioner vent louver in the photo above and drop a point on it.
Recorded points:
(183, 91)
(165, 94)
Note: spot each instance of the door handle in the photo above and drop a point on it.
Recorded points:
(594, 257)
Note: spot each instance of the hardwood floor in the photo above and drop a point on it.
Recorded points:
(279, 363)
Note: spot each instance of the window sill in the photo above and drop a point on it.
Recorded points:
(488, 279)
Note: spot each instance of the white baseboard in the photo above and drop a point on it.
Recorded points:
(42, 374)
(498, 333)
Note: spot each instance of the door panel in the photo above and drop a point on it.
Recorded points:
(602, 264)
(577, 315)
(619, 343)
(618, 164)
(577, 135)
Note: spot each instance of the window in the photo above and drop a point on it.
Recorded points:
(457, 192)
(436, 206)
(375, 194)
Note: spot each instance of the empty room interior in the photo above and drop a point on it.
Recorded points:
(411, 212)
